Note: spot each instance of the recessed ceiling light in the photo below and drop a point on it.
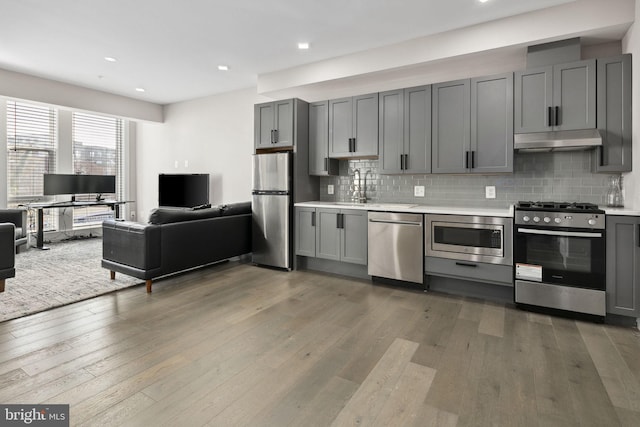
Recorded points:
(223, 67)
(303, 46)
(110, 59)
(139, 89)
(483, 1)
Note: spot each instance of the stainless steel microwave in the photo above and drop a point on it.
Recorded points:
(471, 238)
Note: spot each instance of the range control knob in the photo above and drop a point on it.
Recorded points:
(547, 219)
(592, 221)
(557, 220)
(536, 219)
(526, 218)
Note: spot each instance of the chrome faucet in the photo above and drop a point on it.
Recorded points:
(357, 188)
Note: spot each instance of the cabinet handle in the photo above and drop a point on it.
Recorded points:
(556, 116)
(550, 116)
(639, 235)
(325, 164)
(473, 159)
(401, 162)
(275, 136)
(354, 145)
(272, 136)
(406, 161)
(340, 220)
(466, 160)
(464, 264)
(313, 219)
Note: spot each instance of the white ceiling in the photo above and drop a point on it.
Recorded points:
(172, 48)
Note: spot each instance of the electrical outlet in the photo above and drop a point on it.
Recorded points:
(418, 191)
(490, 192)
(330, 189)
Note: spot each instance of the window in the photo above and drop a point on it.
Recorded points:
(31, 152)
(97, 150)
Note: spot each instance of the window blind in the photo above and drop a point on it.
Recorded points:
(97, 150)
(31, 152)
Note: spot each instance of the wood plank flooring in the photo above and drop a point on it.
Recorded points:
(236, 344)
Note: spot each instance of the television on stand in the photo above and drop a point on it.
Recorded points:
(57, 184)
(183, 190)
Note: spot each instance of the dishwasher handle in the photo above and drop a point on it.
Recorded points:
(396, 222)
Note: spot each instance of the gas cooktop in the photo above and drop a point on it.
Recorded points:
(559, 206)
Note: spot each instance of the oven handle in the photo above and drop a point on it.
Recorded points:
(559, 233)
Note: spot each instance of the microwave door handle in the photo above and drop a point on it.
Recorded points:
(559, 233)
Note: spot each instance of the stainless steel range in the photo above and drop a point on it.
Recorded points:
(559, 256)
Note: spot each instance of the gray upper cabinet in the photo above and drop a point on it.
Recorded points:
(273, 124)
(451, 128)
(472, 125)
(353, 126)
(319, 161)
(405, 131)
(492, 124)
(614, 114)
(623, 265)
(558, 97)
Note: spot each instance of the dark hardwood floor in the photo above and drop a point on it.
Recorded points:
(240, 345)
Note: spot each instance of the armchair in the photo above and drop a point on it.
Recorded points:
(7, 253)
(18, 217)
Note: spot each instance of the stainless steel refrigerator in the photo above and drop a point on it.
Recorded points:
(271, 207)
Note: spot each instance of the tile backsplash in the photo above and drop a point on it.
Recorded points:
(559, 176)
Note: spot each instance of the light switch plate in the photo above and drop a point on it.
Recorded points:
(490, 192)
(330, 189)
(418, 191)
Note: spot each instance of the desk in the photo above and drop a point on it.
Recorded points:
(113, 204)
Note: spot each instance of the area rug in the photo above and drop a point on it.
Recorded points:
(68, 272)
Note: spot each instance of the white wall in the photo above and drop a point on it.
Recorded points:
(631, 180)
(213, 135)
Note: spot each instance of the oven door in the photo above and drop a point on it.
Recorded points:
(569, 257)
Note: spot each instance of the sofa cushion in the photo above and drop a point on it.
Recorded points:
(239, 208)
(171, 215)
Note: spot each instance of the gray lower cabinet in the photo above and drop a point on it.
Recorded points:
(623, 265)
(472, 125)
(273, 124)
(405, 131)
(557, 97)
(305, 222)
(353, 126)
(334, 234)
(614, 115)
(319, 161)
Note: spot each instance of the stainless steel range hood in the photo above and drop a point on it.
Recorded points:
(567, 140)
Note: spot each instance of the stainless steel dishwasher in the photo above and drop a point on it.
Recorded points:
(395, 246)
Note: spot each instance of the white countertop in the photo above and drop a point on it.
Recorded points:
(622, 211)
(412, 208)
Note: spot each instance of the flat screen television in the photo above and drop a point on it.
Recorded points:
(183, 190)
(55, 183)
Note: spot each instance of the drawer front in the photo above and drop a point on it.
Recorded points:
(474, 271)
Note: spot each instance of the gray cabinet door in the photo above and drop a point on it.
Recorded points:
(306, 231)
(340, 127)
(353, 245)
(614, 114)
(533, 98)
(391, 132)
(319, 162)
(492, 124)
(365, 125)
(574, 92)
(327, 234)
(623, 265)
(283, 123)
(450, 126)
(263, 117)
(417, 130)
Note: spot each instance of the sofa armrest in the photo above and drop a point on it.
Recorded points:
(7, 249)
(131, 244)
(18, 217)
